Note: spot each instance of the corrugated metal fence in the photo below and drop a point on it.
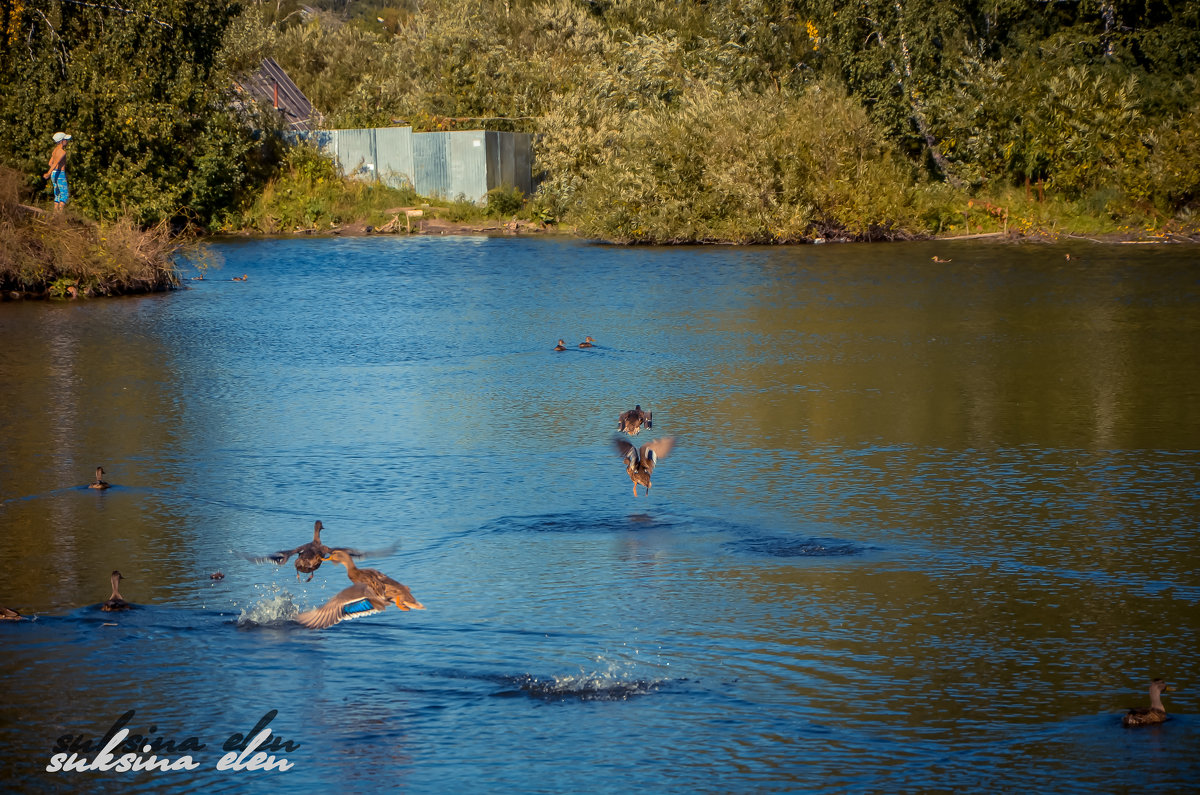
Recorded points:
(466, 163)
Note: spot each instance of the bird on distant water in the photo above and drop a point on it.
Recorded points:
(100, 482)
(8, 614)
(371, 593)
(310, 555)
(115, 602)
(587, 343)
(561, 346)
(631, 421)
(639, 464)
(241, 278)
(1155, 713)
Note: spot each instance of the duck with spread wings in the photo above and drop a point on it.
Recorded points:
(310, 555)
(371, 592)
(640, 463)
(631, 421)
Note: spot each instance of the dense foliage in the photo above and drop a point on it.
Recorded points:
(142, 90)
(657, 120)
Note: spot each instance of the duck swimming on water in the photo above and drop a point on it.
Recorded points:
(8, 614)
(1155, 713)
(639, 464)
(561, 346)
(100, 482)
(115, 602)
(587, 343)
(371, 592)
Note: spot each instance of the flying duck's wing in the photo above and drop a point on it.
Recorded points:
(382, 552)
(652, 451)
(627, 450)
(357, 600)
(280, 557)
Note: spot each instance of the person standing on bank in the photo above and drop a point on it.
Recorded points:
(58, 170)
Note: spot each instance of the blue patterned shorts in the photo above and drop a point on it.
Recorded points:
(59, 180)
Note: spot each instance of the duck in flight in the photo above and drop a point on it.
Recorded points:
(640, 463)
(310, 555)
(631, 421)
(372, 591)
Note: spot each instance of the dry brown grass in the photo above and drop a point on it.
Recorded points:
(54, 255)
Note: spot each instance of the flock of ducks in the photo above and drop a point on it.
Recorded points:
(371, 591)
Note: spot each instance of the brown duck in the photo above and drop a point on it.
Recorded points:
(8, 614)
(115, 602)
(100, 482)
(308, 556)
(371, 592)
(631, 421)
(561, 346)
(639, 464)
(587, 343)
(1155, 713)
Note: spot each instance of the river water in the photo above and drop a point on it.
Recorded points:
(926, 526)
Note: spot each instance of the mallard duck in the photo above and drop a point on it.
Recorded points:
(100, 482)
(639, 464)
(371, 592)
(241, 278)
(8, 614)
(115, 602)
(561, 346)
(310, 555)
(939, 259)
(587, 343)
(1155, 713)
(631, 421)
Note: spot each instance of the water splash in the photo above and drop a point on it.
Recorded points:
(274, 608)
(612, 684)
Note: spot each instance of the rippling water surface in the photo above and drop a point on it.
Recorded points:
(926, 526)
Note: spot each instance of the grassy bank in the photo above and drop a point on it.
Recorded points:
(44, 254)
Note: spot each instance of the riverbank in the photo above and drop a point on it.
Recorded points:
(61, 255)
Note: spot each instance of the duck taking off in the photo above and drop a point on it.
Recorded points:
(310, 555)
(371, 592)
(115, 602)
(631, 421)
(1155, 713)
(639, 464)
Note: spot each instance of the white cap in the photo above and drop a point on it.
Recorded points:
(60, 137)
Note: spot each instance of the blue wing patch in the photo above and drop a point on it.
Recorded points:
(359, 607)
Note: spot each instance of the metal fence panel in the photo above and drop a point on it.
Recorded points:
(356, 152)
(468, 165)
(394, 148)
(431, 164)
